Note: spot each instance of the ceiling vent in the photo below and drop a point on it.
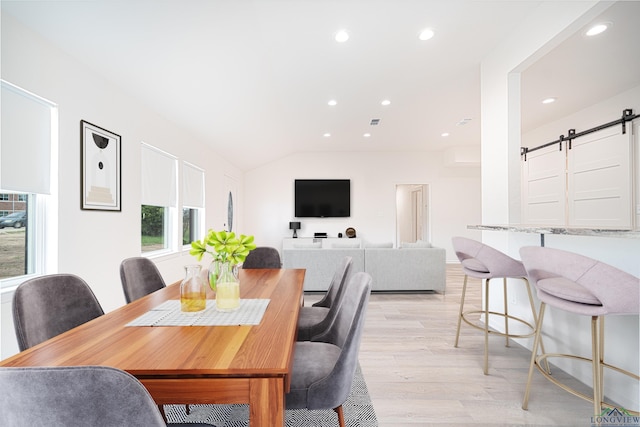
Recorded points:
(374, 122)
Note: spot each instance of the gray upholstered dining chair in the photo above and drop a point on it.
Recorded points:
(583, 286)
(316, 318)
(323, 369)
(46, 306)
(76, 396)
(263, 257)
(139, 277)
(485, 263)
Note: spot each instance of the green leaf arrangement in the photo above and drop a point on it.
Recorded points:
(223, 246)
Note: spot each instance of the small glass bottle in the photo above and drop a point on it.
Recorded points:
(227, 288)
(193, 296)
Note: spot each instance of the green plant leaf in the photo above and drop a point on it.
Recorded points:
(225, 246)
(198, 249)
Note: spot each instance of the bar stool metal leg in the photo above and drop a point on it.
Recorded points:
(535, 322)
(596, 363)
(464, 291)
(534, 356)
(486, 327)
(506, 311)
(602, 364)
(486, 313)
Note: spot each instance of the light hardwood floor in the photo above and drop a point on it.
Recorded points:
(416, 377)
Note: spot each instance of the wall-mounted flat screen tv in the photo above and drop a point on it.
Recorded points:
(322, 198)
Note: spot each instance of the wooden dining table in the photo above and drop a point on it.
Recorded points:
(194, 364)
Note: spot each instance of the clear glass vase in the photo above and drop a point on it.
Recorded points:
(214, 272)
(227, 288)
(193, 296)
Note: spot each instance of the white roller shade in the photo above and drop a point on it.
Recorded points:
(25, 144)
(159, 176)
(192, 186)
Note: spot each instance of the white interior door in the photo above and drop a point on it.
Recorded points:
(544, 186)
(599, 179)
(412, 214)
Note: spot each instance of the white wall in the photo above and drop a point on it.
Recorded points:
(454, 204)
(500, 181)
(92, 244)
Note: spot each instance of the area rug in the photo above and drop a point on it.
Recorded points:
(358, 412)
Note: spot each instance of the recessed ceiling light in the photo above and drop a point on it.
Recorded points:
(598, 28)
(445, 134)
(327, 135)
(342, 36)
(426, 34)
(367, 135)
(385, 102)
(549, 100)
(332, 102)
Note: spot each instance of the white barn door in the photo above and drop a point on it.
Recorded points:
(544, 186)
(599, 180)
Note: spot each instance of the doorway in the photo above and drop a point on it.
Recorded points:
(412, 213)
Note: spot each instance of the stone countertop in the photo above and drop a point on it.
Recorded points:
(573, 231)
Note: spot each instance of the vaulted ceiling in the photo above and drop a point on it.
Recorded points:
(254, 78)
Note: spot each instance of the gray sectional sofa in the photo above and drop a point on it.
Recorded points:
(392, 270)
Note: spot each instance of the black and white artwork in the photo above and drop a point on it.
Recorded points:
(101, 157)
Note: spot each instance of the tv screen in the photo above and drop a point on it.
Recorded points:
(322, 198)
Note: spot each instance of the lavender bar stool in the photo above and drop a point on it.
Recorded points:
(584, 286)
(485, 263)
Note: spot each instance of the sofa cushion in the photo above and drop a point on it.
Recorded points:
(321, 264)
(417, 244)
(384, 245)
(392, 269)
(416, 269)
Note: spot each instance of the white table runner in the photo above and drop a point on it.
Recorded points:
(168, 313)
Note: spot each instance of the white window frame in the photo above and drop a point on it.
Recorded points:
(197, 226)
(196, 203)
(43, 211)
(172, 220)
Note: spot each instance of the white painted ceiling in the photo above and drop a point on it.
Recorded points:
(253, 78)
(581, 70)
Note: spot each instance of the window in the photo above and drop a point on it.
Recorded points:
(189, 225)
(154, 228)
(192, 202)
(16, 247)
(27, 174)
(158, 193)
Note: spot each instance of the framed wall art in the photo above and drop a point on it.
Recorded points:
(101, 163)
